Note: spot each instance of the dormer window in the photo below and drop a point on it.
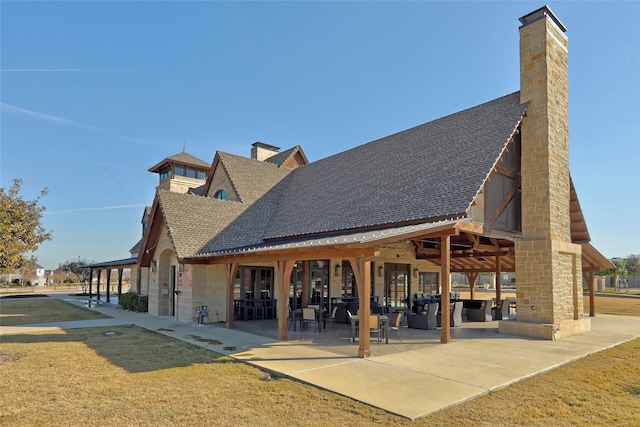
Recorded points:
(221, 195)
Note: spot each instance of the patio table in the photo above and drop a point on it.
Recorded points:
(384, 322)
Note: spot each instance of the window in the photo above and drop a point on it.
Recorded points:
(179, 171)
(191, 173)
(202, 175)
(164, 174)
(221, 194)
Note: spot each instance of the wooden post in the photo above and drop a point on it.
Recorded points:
(473, 278)
(304, 298)
(445, 285)
(232, 269)
(283, 271)
(589, 277)
(98, 286)
(120, 270)
(90, 284)
(362, 272)
(498, 282)
(108, 283)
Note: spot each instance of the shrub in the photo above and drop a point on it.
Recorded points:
(133, 302)
(142, 304)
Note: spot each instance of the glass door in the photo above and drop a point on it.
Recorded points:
(396, 286)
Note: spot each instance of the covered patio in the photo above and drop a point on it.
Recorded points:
(453, 245)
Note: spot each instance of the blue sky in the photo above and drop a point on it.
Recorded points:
(95, 93)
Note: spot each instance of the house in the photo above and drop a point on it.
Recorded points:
(36, 276)
(486, 189)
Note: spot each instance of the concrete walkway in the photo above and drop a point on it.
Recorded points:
(412, 383)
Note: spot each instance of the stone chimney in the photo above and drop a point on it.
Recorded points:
(262, 151)
(548, 265)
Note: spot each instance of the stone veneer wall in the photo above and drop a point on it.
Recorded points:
(548, 265)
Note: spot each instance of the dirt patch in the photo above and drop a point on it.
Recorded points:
(8, 358)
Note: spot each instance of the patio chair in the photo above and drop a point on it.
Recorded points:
(396, 326)
(502, 311)
(374, 325)
(351, 333)
(331, 319)
(432, 315)
(309, 316)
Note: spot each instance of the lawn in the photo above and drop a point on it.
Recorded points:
(130, 376)
(23, 311)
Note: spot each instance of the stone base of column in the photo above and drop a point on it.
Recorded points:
(545, 331)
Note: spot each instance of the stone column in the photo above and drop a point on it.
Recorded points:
(548, 265)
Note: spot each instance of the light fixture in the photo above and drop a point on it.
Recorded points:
(153, 265)
(380, 271)
(337, 270)
(416, 272)
(181, 267)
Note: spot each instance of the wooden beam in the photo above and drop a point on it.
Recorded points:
(445, 295)
(362, 272)
(268, 257)
(120, 270)
(507, 172)
(108, 283)
(472, 278)
(505, 202)
(498, 281)
(283, 271)
(589, 278)
(231, 270)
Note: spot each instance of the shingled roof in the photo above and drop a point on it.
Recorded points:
(180, 158)
(194, 220)
(250, 178)
(430, 172)
(280, 158)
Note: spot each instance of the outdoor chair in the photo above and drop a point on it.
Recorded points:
(396, 326)
(455, 315)
(502, 311)
(480, 314)
(374, 325)
(331, 319)
(351, 333)
(309, 316)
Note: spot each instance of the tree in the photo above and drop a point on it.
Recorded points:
(620, 270)
(20, 229)
(79, 267)
(633, 265)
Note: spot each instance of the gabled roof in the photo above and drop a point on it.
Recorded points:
(136, 247)
(427, 173)
(281, 158)
(250, 178)
(183, 158)
(194, 220)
